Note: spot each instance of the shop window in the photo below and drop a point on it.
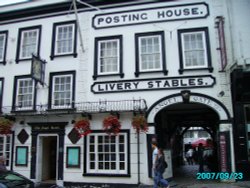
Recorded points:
(64, 39)
(25, 92)
(5, 148)
(62, 90)
(3, 46)
(194, 50)
(108, 56)
(150, 55)
(107, 154)
(28, 43)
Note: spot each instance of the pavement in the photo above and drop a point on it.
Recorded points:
(185, 177)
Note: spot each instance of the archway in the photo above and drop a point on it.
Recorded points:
(173, 115)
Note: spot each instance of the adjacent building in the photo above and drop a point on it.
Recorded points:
(169, 62)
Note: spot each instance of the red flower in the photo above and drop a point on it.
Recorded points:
(111, 125)
(83, 126)
(5, 126)
(140, 124)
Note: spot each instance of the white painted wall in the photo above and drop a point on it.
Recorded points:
(84, 66)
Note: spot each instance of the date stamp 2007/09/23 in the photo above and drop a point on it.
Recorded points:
(219, 175)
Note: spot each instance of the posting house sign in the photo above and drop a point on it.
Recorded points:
(151, 15)
(153, 84)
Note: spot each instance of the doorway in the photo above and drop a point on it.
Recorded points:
(173, 122)
(47, 158)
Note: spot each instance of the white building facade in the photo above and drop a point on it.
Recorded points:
(165, 60)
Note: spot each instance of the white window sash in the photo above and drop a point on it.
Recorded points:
(4, 152)
(108, 171)
(2, 47)
(204, 49)
(30, 107)
(109, 57)
(150, 54)
(69, 105)
(35, 50)
(57, 40)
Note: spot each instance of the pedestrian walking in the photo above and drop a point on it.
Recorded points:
(200, 157)
(160, 167)
(154, 157)
(189, 156)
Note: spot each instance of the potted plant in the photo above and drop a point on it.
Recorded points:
(111, 125)
(82, 125)
(139, 123)
(5, 125)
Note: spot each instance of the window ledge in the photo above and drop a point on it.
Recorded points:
(22, 111)
(106, 175)
(165, 72)
(61, 109)
(106, 75)
(63, 55)
(210, 69)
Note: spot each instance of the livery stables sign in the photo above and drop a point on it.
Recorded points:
(153, 84)
(151, 15)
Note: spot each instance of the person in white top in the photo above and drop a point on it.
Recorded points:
(154, 157)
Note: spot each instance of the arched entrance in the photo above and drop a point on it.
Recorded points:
(173, 115)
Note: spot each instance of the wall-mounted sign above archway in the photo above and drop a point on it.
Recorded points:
(188, 97)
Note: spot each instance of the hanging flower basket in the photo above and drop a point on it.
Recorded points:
(111, 125)
(83, 126)
(5, 125)
(139, 123)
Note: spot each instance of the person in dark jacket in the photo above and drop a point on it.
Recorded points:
(200, 157)
(159, 170)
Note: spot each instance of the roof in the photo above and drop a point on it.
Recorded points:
(41, 7)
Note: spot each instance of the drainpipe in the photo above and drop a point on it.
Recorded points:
(138, 157)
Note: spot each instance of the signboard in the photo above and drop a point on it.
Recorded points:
(153, 84)
(151, 15)
(38, 69)
(225, 165)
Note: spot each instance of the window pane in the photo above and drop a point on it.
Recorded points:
(110, 153)
(64, 39)
(29, 43)
(150, 53)
(2, 46)
(25, 93)
(62, 91)
(108, 56)
(194, 50)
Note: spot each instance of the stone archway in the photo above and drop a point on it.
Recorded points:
(224, 121)
(189, 97)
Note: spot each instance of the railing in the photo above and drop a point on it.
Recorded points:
(81, 107)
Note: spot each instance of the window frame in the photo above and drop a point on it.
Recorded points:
(5, 43)
(54, 54)
(1, 93)
(15, 108)
(69, 154)
(51, 90)
(7, 153)
(109, 173)
(20, 40)
(206, 44)
(138, 37)
(24, 156)
(97, 63)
